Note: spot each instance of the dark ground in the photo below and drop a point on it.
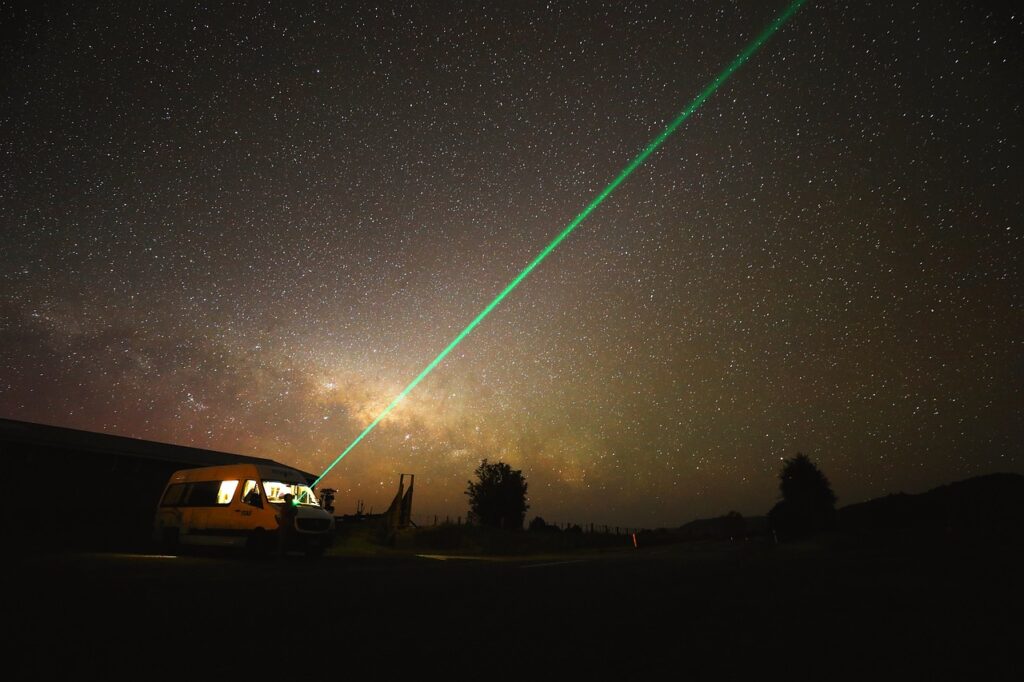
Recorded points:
(902, 606)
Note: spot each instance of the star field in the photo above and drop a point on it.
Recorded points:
(248, 227)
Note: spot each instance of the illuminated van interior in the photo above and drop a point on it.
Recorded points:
(221, 493)
(276, 490)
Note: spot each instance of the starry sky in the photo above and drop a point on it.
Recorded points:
(247, 226)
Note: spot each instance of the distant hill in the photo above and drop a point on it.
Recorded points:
(994, 501)
(730, 526)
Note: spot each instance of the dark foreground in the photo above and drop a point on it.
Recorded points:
(906, 607)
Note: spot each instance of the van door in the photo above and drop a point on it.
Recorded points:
(247, 511)
(170, 514)
(209, 519)
(223, 518)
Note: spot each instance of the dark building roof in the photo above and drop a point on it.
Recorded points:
(88, 442)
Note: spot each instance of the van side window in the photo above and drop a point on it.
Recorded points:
(211, 493)
(226, 493)
(203, 494)
(251, 494)
(174, 496)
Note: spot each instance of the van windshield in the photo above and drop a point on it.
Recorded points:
(276, 490)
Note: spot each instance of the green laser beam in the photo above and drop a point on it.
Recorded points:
(709, 90)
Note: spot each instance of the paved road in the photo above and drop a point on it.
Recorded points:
(706, 610)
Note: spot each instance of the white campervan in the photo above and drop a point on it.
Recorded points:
(240, 505)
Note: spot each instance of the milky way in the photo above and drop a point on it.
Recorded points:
(248, 228)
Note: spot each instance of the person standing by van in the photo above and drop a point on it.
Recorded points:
(286, 523)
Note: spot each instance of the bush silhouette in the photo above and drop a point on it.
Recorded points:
(808, 503)
(498, 497)
(539, 525)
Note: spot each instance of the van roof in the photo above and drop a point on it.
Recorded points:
(272, 471)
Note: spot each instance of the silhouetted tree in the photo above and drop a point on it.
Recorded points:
(498, 497)
(808, 502)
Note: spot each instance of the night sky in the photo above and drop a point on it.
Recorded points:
(247, 227)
